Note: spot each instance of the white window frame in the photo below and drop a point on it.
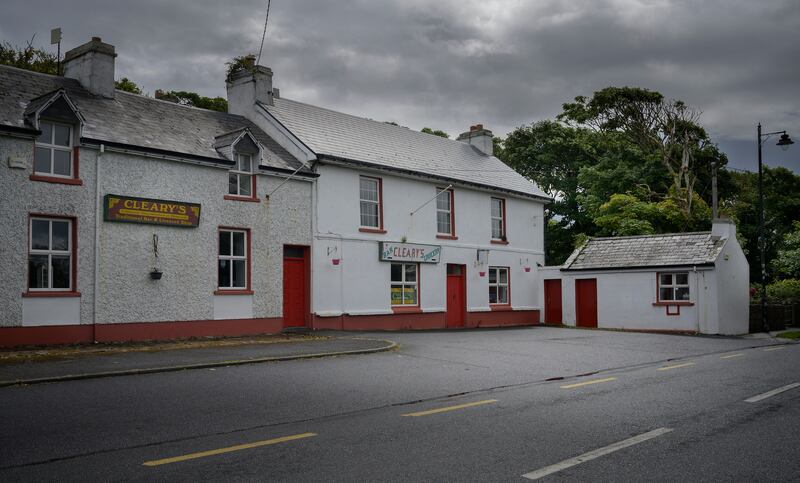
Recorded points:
(362, 202)
(239, 173)
(497, 284)
(231, 258)
(50, 252)
(403, 283)
(502, 218)
(674, 285)
(52, 147)
(450, 219)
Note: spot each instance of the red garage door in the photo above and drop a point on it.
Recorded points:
(295, 287)
(586, 302)
(552, 301)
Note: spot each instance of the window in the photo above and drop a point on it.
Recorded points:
(444, 212)
(673, 287)
(498, 285)
(240, 178)
(232, 260)
(50, 254)
(498, 219)
(370, 197)
(404, 284)
(53, 151)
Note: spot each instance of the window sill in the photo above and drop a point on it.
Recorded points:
(684, 303)
(379, 231)
(242, 198)
(447, 237)
(233, 292)
(406, 310)
(500, 307)
(55, 179)
(499, 242)
(51, 294)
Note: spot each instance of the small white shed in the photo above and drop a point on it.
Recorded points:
(678, 282)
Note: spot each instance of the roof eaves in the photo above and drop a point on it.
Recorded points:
(636, 267)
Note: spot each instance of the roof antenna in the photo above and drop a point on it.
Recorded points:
(263, 35)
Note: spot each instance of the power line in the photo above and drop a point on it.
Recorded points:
(263, 35)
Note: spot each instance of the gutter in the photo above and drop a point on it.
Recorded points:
(637, 267)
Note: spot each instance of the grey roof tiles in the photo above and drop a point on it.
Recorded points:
(675, 249)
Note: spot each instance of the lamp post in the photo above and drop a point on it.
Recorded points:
(784, 143)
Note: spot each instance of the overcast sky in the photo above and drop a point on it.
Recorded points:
(447, 64)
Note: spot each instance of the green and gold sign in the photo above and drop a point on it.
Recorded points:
(152, 212)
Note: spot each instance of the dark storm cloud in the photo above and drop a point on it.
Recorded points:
(449, 64)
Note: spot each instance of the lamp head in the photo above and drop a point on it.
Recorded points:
(785, 141)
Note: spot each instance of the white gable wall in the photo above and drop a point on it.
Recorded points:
(733, 273)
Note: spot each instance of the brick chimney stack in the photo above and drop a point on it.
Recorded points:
(92, 64)
(480, 138)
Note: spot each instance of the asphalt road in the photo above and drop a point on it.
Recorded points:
(448, 406)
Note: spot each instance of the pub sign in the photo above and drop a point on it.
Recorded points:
(409, 252)
(150, 211)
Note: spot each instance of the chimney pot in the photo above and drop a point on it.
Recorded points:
(250, 61)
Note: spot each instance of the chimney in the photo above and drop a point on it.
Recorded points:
(92, 64)
(480, 138)
(723, 228)
(248, 85)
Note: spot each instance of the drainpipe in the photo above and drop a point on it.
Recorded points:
(97, 209)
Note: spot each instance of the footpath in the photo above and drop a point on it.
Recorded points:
(55, 364)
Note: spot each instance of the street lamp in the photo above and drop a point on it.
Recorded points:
(784, 142)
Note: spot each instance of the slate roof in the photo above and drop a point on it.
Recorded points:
(670, 250)
(134, 120)
(352, 138)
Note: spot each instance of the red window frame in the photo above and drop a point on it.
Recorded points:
(247, 290)
(73, 290)
(371, 229)
(74, 162)
(452, 234)
(253, 198)
(503, 226)
(659, 301)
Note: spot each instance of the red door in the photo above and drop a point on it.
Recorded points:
(552, 301)
(586, 302)
(295, 288)
(456, 298)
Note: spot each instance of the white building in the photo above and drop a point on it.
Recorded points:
(680, 282)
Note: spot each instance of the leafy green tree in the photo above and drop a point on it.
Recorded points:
(787, 262)
(436, 132)
(28, 58)
(784, 291)
(127, 85)
(193, 99)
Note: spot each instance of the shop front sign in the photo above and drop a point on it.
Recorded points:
(152, 212)
(409, 252)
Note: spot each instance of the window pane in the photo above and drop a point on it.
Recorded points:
(40, 235)
(666, 294)
(60, 271)
(397, 294)
(62, 135)
(245, 185)
(245, 163)
(37, 271)
(239, 273)
(497, 208)
(47, 133)
(233, 184)
(443, 201)
(410, 295)
(369, 214)
(293, 252)
(492, 294)
(369, 189)
(238, 244)
(492, 275)
(666, 279)
(411, 273)
(453, 269)
(503, 276)
(60, 235)
(681, 279)
(41, 160)
(682, 293)
(397, 272)
(224, 243)
(443, 222)
(502, 295)
(224, 273)
(61, 162)
(497, 228)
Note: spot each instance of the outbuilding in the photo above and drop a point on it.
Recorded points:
(678, 282)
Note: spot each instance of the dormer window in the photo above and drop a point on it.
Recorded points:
(53, 152)
(240, 178)
(244, 151)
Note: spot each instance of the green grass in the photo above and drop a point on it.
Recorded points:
(795, 334)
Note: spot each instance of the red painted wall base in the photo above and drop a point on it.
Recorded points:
(424, 321)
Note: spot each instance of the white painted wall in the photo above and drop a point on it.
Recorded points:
(733, 274)
(361, 285)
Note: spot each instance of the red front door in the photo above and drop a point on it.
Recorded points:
(295, 293)
(552, 301)
(586, 302)
(456, 297)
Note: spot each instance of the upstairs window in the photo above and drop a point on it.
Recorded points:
(673, 287)
(50, 254)
(240, 178)
(498, 285)
(53, 152)
(498, 219)
(232, 260)
(444, 213)
(370, 201)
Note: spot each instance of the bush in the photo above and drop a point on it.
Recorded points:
(784, 291)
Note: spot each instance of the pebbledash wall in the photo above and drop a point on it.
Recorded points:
(354, 291)
(126, 303)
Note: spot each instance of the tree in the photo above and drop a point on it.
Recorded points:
(787, 261)
(193, 99)
(436, 132)
(127, 85)
(28, 58)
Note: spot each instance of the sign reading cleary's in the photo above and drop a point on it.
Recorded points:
(409, 252)
(152, 212)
